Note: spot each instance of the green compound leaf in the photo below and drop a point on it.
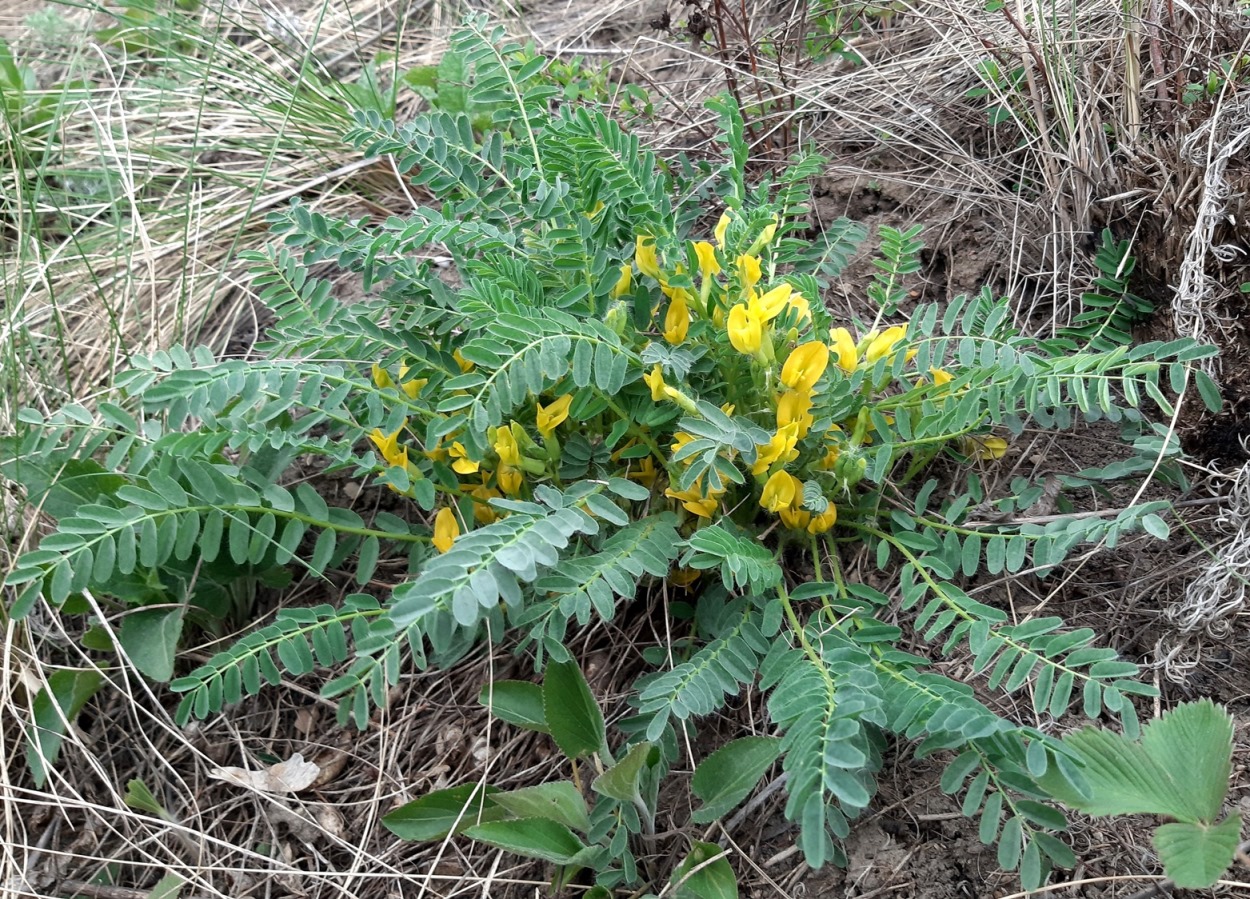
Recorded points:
(1194, 855)
(437, 814)
(532, 837)
(725, 777)
(573, 716)
(517, 702)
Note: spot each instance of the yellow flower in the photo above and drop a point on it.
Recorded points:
(554, 414)
(844, 346)
(509, 479)
(465, 365)
(446, 529)
(645, 256)
(987, 449)
(645, 473)
(463, 464)
(694, 501)
(388, 446)
(727, 408)
(779, 449)
(598, 208)
(708, 266)
(766, 236)
(749, 271)
(799, 303)
(770, 305)
(381, 377)
(746, 330)
(793, 518)
(804, 366)
(655, 380)
(941, 377)
(880, 346)
(794, 407)
(624, 282)
(413, 387)
(506, 447)
(683, 577)
(680, 439)
(824, 521)
(831, 457)
(780, 491)
(677, 320)
(483, 511)
(721, 227)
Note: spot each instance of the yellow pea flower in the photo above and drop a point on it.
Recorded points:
(728, 408)
(749, 271)
(746, 330)
(465, 365)
(821, 523)
(645, 473)
(680, 439)
(844, 346)
(483, 511)
(795, 519)
(780, 491)
(709, 267)
(381, 377)
(881, 345)
(411, 388)
(388, 446)
(506, 447)
(463, 464)
(987, 449)
(804, 366)
(721, 227)
(677, 320)
(683, 577)
(553, 415)
(795, 407)
(799, 303)
(446, 529)
(624, 282)
(780, 448)
(770, 305)
(655, 380)
(766, 236)
(509, 479)
(645, 256)
(831, 458)
(598, 208)
(694, 501)
(941, 377)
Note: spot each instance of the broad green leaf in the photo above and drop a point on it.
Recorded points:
(560, 802)
(532, 837)
(1194, 744)
(150, 639)
(712, 881)
(1195, 855)
(168, 887)
(725, 777)
(517, 702)
(1179, 769)
(59, 702)
(573, 716)
(621, 781)
(435, 815)
(139, 797)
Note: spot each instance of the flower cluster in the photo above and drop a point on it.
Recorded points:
(764, 358)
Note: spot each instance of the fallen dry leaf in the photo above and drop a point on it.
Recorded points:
(290, 776)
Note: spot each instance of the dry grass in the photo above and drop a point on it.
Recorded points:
(190, 162)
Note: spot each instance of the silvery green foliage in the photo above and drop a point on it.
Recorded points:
(196, 466)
